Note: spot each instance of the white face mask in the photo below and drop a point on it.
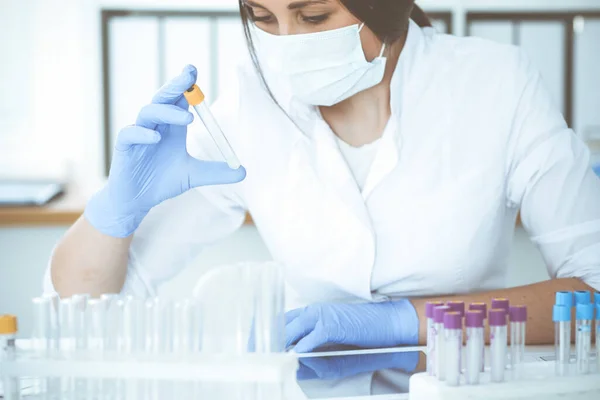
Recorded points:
(322, 68)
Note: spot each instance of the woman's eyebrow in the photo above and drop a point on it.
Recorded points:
(301, 4)
(253, 4)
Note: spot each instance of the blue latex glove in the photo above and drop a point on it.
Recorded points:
(339, 367)
(150, 163)
(366, 325)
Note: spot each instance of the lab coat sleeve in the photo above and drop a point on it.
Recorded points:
(551, 180)
(174, 233)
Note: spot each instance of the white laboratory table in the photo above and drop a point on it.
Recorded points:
(387, 383)
(366, 374)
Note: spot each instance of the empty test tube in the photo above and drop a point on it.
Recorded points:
(97, 314)
(196, 98)
(583, 338)
(453, 350)
(483, 308)
(54, 322)
(79, 320)
(8, 335)
(438, 324)
(475, 345)
(518, 319)
(133, 335)
(498, 343)
(561, 315)
(429, 307)
(42, 324)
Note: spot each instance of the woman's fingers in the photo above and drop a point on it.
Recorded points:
(132, 135)
(173, 90)
(155, 114)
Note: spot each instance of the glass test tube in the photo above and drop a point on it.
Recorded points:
(42, 324)
(429, 307)
(483, 308)
(503, 304)
(195, 98)
(518, 319)
(54, 322)
(440, 342)
(8, 335)
(561, 315)
(475, 345)
(498, 343)
(453, 337)
(80, 320)
(583, 338)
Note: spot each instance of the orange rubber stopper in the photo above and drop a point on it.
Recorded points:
(194, 95)
(8, 324)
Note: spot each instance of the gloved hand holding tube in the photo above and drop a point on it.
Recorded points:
(150, 163)
(367, 325)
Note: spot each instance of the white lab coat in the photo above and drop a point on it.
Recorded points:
(478, 139)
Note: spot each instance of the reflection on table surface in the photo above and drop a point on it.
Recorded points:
(353, 374)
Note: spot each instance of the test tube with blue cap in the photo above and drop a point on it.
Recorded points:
(582, 297)
(561, 315)
(583, 340)
(196, 100)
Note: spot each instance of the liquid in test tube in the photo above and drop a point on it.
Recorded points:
(429, 307)
(483, 308)
(453, 335)
(518, 319)
(498, 343)
(440, 342)
(475, 345)
(561, 315)
(196, 99)
(583, 340)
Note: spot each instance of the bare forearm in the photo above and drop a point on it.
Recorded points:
(538, 297)
(87, 261)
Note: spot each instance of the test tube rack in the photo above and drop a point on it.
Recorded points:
(536, 381)
(105, 375)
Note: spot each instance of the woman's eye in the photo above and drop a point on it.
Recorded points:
(315, 19)
(258, 18)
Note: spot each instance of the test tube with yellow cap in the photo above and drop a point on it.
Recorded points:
(8, 335)
(196, 99)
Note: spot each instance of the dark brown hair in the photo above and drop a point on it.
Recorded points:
(388, 19)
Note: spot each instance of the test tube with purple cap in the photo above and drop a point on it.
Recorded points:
(429, 307)
(475, 345)
(483, 308)
(498, 343)
(438, 324)
(518, 319)
(453, 336)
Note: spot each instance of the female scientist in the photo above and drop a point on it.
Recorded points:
(385, 162)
